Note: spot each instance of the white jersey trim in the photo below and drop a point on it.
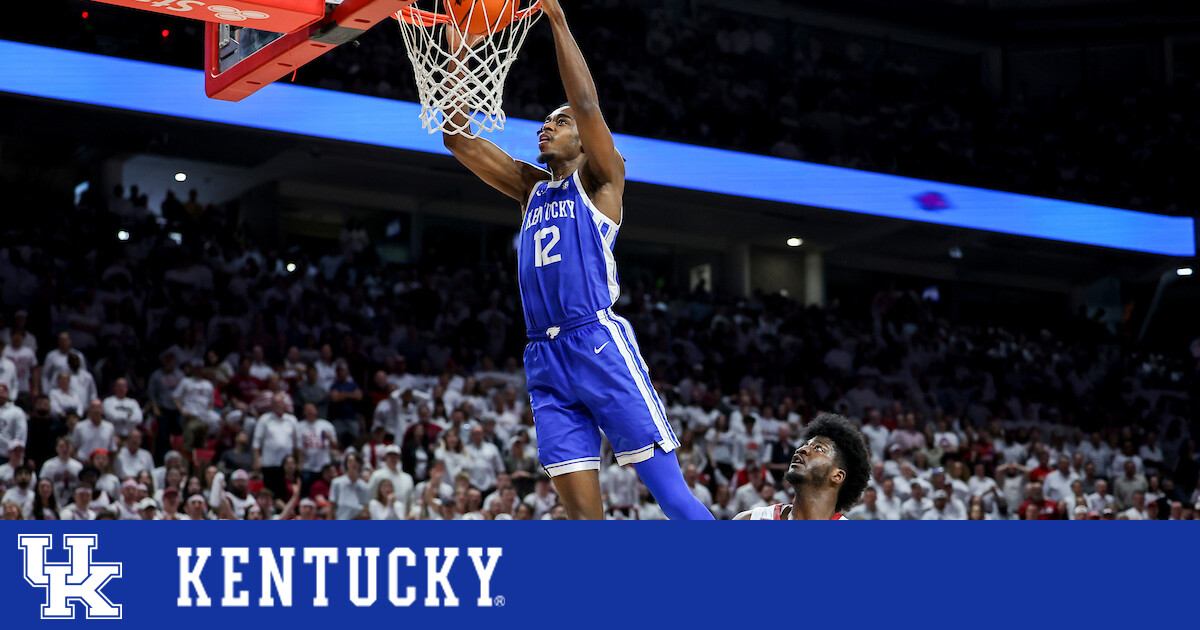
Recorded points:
(572, 465)
(635, 456)
(666, 438)
(606, 239)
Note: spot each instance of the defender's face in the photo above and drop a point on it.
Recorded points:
(813, 460)
(558, 136)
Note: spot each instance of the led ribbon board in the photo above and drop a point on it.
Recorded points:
(157, 89)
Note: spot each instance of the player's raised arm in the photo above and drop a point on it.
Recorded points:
(603, 161)
(486, 160)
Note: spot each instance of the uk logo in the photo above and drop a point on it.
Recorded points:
(77, 581)
(234, 14)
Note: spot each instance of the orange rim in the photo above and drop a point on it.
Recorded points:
(428, 19)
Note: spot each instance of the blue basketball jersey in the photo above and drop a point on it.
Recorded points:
(565, 263)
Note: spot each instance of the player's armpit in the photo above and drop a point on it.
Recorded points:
(742, 516)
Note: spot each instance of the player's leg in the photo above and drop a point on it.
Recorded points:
(580, 493)
(568, 438)
(618, 392)
(664, 480)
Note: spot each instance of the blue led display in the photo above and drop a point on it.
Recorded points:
(145, 87)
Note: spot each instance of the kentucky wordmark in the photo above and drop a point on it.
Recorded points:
(276, 573)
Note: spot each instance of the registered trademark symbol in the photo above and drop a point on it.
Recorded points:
(498, 600)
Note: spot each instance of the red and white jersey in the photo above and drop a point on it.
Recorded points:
(775, 513)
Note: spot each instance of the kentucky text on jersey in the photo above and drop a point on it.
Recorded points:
(565, 264)
(551, 210)
(235, 574)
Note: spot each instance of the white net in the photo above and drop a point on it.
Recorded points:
(459, 73)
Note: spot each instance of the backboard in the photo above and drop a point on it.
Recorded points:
(240, 59)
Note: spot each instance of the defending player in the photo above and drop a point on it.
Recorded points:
(583, 366)
(829, 473)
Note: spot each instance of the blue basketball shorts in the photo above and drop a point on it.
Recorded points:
(586, 376)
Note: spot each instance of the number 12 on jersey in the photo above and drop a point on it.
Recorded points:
(542, 255)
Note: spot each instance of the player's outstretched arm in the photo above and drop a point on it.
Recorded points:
(604, 162)
(482, 157)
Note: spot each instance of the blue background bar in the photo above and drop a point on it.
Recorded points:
(656, 574)
(145, 87)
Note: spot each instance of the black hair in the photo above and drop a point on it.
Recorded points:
(851, 452)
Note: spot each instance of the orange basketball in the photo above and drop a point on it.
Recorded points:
(481, 17)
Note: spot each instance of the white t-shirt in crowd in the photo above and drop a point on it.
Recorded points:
(650, 512)
(109, 485)
(1117, 468)
(946, 514)
(402, 484)
(483, 464)
(73, 513)
(620, 483)
(64, 476)
(326, 374)
(316, 438)
(83, 386)
(14, 425)
(130, 464)
(350, 496)
(1097, 503)
(1057, 485)
(56, 361)
(911, 510)
(541, 505)
(889, 509)
(276, 437)
(89, 436)
(62, 403)
(125, 414)
(8, 376)
(861, 512)
(946, 440)
(980, 487)
(261, 371)
(23, 498)
(394, 511)
(195, 396)
(25, 361)
(877, 437)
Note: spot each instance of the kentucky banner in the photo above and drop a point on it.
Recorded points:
(585, 575)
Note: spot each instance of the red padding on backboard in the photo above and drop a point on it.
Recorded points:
(286, 54)
(280, 16)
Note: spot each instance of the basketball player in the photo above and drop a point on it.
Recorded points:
(828, 473)
(583, 366)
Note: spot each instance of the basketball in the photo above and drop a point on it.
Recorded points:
(481, 17)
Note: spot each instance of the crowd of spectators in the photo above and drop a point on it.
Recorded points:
(184, 372)
(723, 77)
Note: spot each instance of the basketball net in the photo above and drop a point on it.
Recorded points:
(453, 76)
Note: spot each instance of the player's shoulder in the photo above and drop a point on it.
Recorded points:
(743, 516)
(532, 175)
